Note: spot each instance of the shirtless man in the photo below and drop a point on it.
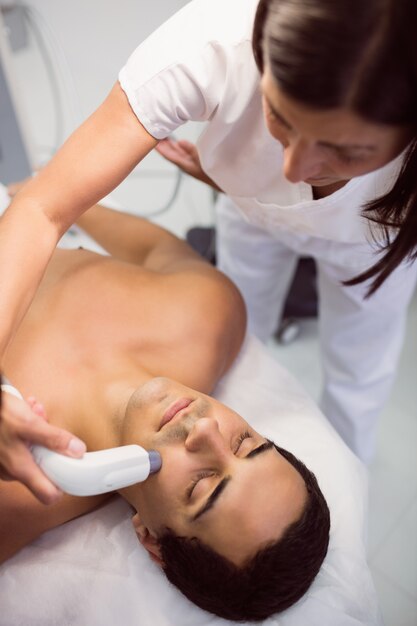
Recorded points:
(113, 343)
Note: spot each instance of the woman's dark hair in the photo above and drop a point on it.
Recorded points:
(271, 581)
(361, 55)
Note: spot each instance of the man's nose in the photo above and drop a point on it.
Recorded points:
(301, 161)
(205, 437)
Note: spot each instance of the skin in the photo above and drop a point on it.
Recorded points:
(205, 444)
(102, 345)
(327, 148)
(83, 171)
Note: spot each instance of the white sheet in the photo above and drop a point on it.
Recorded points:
(93, 572)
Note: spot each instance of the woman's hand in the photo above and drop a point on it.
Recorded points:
(184, 155)
(21, 425)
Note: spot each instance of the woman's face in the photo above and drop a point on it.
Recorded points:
(326, 147)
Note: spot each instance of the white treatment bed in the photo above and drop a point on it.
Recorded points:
(93, 572)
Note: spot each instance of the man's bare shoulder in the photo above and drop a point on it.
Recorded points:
(176, 281)
(213, 305)
(172, 254)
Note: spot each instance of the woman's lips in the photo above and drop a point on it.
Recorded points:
(175, 408)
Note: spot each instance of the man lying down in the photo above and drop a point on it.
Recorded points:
(125, 349)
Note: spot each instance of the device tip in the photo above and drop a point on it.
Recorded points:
(155, 461)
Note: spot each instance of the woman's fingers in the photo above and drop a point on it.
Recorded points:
(37, 407)
(20, 422)
(183, 154)
(21, 466)
(20, 427)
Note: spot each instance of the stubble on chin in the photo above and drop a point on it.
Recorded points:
(179, 431)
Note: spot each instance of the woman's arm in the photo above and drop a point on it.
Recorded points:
(94, 160)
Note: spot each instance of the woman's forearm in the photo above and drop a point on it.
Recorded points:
(27, 239)
(92, 162)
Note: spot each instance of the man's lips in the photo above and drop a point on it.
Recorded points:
(175, 408)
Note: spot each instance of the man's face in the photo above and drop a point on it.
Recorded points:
(220, 480)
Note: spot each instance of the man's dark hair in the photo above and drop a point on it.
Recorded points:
(269, 582)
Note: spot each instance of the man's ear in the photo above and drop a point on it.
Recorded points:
(149, 541)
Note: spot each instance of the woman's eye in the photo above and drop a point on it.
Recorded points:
(274, 118)
(277, 119)
(346, 158)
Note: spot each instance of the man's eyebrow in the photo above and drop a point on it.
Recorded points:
(325, 144)
(263, 448)
(213, 497)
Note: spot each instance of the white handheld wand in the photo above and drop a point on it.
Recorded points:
(98, 472)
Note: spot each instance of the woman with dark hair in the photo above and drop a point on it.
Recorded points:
(314, 143)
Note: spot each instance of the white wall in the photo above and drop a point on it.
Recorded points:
(98, 35)
(95, 38)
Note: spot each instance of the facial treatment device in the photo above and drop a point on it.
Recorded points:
(98, 472)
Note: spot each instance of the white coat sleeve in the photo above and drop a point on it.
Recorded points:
(179, 72)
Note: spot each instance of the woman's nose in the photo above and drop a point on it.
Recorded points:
(301, 161)
(205, 437)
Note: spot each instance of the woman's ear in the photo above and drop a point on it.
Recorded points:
(149, 541)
